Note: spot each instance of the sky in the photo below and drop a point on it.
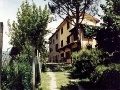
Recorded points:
(8, 10)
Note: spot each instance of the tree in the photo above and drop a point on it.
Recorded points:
(30, 27)
(28, 32)
(73, 9)
(90, 33)
(108, 37)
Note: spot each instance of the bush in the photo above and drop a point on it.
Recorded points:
(106, 77)
(85, 61)
(17, 75)
(97, 73)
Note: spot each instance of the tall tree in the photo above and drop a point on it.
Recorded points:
(109, 34)
(30, 27)
(108, 37)
(73, 9)
(28, 32)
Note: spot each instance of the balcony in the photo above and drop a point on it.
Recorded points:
(74, 33)
(67, 46)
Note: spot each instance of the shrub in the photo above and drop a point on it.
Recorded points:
(97, 73)
(85, 61)
(107, 77)
(110, 79)
(17, 75)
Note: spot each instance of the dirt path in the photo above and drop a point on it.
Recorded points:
(53, 85)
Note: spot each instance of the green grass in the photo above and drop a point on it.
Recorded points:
(61, 79)
(45, 82)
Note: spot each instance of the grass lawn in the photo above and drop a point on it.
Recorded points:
(61, 79)
(45, 82)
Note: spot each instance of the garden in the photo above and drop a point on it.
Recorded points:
(92, 68)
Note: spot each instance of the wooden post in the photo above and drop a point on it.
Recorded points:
(33, 70)
(39, 66)
(1, 43)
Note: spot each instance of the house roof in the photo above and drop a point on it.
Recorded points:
(90, 17)
(87, 16)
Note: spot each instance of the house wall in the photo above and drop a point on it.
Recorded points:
(63, 37)
(53, 54)
(65, 34)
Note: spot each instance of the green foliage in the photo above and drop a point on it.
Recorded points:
(69, 9)
(30, 27)
(109, 32)
(105, 72)
(93, 55)
(85, 61)
(15, 75)
(90, 31)
(97, 73)
(106, 76)
(27, 34)
(74, 7)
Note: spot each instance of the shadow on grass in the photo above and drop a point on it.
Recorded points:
(69, 87)
(87, 85)
(83, 84)
(79, 86)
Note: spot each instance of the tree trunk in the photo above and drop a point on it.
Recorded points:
(77, 27)
(33, 69)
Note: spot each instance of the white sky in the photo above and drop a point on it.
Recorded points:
(8, 10)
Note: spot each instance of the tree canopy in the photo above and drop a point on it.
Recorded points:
(75, 8)
(30, 27)
(108, 36)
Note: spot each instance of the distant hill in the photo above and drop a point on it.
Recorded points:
(5, 58)
(5, 54)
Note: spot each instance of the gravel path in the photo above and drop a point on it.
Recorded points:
(53, 85)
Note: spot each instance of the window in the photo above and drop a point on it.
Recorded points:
(68, 25)
(53, 41)
(56, 47)
(56, 58)
(56, 36)
(50, 49)
(62, 43)
(61, 30)
(50, 41)
(68, 39)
